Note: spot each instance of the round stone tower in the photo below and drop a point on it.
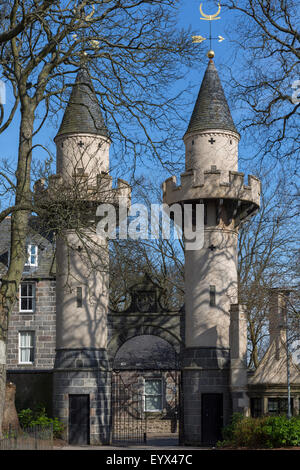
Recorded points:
(213, 366)
(81, 372)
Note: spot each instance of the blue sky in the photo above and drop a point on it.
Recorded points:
(226, 57)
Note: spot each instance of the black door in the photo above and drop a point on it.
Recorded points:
(79, 419)
(212, 417)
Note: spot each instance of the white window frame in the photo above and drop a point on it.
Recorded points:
(32, 346)
(35, 254)
(28, 296)
(158, 379)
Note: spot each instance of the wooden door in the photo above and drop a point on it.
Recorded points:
(79, 419)
(211, 417)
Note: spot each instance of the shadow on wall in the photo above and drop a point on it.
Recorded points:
(32, 389)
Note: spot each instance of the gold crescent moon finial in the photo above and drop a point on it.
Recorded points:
(210, 17)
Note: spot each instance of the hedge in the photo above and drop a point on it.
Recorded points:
(265, 432)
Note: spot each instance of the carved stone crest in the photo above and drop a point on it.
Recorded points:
(146, 301)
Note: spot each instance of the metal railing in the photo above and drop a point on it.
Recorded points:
(32, 438)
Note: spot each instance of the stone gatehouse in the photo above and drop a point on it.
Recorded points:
(106, 373)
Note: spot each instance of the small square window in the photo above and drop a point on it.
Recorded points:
(27, 297)
(26, 347)
(32, 259)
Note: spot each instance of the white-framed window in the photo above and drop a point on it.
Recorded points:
(32, 259)
(27, 297)
(153, 395)
(26, 347)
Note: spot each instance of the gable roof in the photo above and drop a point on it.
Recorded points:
(272, 368)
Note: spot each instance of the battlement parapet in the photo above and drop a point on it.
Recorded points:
(79, 188)
(201, 185)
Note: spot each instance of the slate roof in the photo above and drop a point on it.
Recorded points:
(46, 257)
(146, 352)
(211, 110)
(272, 368)
(83, 113)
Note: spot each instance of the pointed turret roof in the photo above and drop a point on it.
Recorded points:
(211, 110)
(83, 114)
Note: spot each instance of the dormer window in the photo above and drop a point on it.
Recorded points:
(32, 259)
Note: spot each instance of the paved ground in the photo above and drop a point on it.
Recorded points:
(153, 442)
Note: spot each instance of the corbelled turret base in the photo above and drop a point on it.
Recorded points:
(83, 373)
(206, 393)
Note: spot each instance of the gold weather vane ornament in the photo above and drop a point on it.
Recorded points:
(210, 18)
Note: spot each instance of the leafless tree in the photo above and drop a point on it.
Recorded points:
(267, 258)
(160, 258)
(267, 251)
(267, 36)
(27, 17)
(132, 49)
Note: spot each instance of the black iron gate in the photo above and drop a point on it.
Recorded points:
(128, 416)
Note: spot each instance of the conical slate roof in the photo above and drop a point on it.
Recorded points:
(83, 114)
(211, 110)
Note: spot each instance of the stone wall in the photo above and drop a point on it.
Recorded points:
(84, 372)
(205, 371)
(42, 321)
(161, 425)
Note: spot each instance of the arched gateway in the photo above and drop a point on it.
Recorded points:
(144, 351)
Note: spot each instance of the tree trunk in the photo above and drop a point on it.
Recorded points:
(10, 416)
(19, 227)
(2, 390)
(254, 353)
